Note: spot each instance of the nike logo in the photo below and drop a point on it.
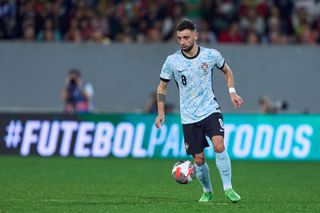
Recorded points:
(226, 170)
(221, 130)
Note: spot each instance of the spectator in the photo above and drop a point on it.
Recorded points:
(49, 33)
(29, 33)
(232, 35)
(269, 107)
(206, 34)
(77, 95)
(74, 33)
(97, 36)
(231, 21)
(265, 105)
(7, 14)
(252, 38)
(316, 32)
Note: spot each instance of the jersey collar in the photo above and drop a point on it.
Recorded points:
(193, 56)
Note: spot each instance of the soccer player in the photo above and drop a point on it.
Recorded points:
(192, 67)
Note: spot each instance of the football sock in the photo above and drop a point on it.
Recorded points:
(224, 166)
(203, 176)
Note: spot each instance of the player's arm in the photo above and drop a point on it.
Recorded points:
(228, 75)
(161, 99)
(65, 95)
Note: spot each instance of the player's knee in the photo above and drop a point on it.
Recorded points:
(199, 160)
(218, 143)
(219, 147)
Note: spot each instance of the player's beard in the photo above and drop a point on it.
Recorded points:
(188, 49)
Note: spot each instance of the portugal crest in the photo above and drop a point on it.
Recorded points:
(204, 67)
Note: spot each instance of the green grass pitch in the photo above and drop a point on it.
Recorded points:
(37, 184)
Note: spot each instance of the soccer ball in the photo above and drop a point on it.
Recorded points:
(184, 171)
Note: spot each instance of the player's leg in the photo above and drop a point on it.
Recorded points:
(224, 166)
(222, 161)
(195, 142)
(215, 130)
(203, 175)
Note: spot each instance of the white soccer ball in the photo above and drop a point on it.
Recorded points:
(184, 171)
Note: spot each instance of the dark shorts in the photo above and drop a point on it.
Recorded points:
(195, 134)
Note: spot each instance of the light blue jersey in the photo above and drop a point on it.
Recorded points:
(194, 79)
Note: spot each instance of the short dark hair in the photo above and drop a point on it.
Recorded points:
(186, 24)
(75, 72)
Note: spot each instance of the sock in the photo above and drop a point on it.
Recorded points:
(204, 177)
(224, 166)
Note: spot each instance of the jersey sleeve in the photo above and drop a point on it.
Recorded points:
(219, 60)
(166, 71)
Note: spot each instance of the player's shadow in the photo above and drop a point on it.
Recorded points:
(116, 199)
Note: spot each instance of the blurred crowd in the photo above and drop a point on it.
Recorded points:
(142, 21)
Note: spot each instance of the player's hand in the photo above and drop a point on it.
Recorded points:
(236, 100)
(159, 121)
